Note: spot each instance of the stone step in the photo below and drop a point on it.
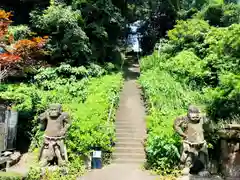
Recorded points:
(128, 145)
(130, 135)
(123, 121)
(129, 149)
(128, 155)
(129, 140)
(129, 161)
(134, 125)
(129, 130)
(126, 122)
(126, 125)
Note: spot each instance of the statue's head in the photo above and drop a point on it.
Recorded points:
(55, 110)
(194, 113)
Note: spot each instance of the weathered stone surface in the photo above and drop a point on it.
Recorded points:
(15, 157)
(119, 172)
(194, 156)
(24, 164)
(55, 123)
(230, 153)
(195, 177)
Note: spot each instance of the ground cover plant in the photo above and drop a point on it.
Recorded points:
(63, 61)
(86, 93)
(166, 99)
(63, 51)
(63, 54)
(197, 63)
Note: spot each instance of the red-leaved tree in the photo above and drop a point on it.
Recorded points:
(21, 53)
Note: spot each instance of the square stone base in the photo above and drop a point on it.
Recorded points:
(195, 177)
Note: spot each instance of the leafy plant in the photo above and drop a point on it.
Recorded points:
(21, 53)
(189, 34)
(68, 42)
(197, 64)
(222, 15)
(86, 94)
(20, 32)
(162, 143)
(104, 25)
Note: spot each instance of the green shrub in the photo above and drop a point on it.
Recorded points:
(166, 99)
(20, 32)
(224, 100)
(198, 64)
(213, 14)
(223, 48)
(151, 62)
(231, 41)
(10, 176)
(187, 66)
(68, 43)
(222, 15)
(90, 127)
(87, 94)
(230, 14)
(214, 50)
(189, 34)
(65, 74)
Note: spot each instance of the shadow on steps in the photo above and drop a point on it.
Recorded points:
(131, 72)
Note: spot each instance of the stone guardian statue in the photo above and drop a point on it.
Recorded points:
(55, 124)
(194, 156)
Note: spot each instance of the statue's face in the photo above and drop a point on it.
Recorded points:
(194, 116)
(54, 112)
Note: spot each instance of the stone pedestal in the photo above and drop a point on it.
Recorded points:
(230, 151)
(195, 177)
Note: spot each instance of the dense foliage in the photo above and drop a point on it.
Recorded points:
(86, 93)
(17, 52)
(81, 31)
(166, 99)
(61, 60)
(57, 75)
(198, 63)
(162, 16)
(68, 42)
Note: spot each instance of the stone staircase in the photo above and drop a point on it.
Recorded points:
(130, 132)
(129, 147)
(130, 126)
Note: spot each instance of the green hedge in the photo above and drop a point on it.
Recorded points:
(87, 97)
(197, 64)
(91, 127)
(166, 99)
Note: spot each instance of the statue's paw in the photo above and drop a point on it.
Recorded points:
(185, 171)
(204, 173)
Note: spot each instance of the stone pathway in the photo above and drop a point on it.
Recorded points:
(129, 154)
